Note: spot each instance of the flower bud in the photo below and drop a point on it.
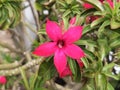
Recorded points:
(3, 80)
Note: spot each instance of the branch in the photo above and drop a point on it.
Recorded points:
(16, 71)
(6, 45)
(34, 14)
(11, 65)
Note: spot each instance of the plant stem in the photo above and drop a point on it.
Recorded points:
(16, 71)
(11, 65)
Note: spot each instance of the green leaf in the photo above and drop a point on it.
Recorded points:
(85, 61)
(114, 43)
(65, 20)
(97, 21)
(25, 79)
(114, 24)
(67, 12)
(107, 9)
(108, 67)
(87, 42)
(38, 6)
(89, 55)
(101, 29)
(100, 81)
(42, 31)
(62, 3)
(10, 13)
(40, 88)
(73, 66)
(103, 48)
(107, 70)
(46, 72)
(6, 57)
(89, 85)
(111, 75)
(110, 87)
(86, 29)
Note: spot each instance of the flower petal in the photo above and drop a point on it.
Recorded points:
(74, 51)
(80, 63)
(87, 5)
(53, 30)
(73, 34)
(60, 61)
(3, 80)
(72, 22)
(66, 72)
(110, 3)
(45, 49)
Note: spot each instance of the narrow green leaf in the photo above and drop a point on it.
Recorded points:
(97, 21)
(102, 27)
(104, 48)
(73, 66)
(89, 55)
(86, 29)
(67, 12)
(108, 67)
(108, 9)
(85, 61)
(46, 72)
(114, 24)
(40, 88)
(114, 43)
(62, 3)
(111, 75)
(86, 42)
(89, 85)
(100, 81)
(110, 87)
(65, 20)
(24, 79)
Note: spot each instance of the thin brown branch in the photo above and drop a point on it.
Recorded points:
(16, 71)
(35, 15)
(11, 65)
(6, 45)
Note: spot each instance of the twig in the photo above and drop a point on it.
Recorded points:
(16, 71)
(6, 45)
(11, 65)
(27, 55)
(34, 15)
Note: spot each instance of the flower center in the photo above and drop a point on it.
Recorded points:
(60, 43)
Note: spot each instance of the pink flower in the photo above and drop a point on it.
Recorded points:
(3, 80)
(88, 6)
(72, 22)
(80, 63)
(62, 45)
(110, 3)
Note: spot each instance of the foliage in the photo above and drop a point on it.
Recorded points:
(10, 13)
(100, 37)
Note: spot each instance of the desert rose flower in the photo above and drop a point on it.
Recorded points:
(62, 45)
(88, 6)
(72, 22)
(3, 80)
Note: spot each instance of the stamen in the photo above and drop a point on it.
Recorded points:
(60, 43)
